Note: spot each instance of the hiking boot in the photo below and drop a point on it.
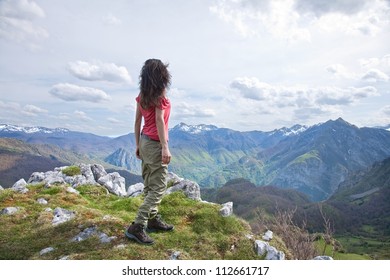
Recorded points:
(157, 223)
(137, 232)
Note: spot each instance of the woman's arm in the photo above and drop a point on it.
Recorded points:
(166, 154)
(137, 129)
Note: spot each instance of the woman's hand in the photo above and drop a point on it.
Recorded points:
(166, 155)
(137, 154)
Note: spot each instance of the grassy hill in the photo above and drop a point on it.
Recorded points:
(200, 231)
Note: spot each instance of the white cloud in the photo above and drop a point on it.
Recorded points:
(252, 88)
(184, 110)
(99, 71)
(340, 71)
(354, 17)
(114, 121)
(321, 7)
(82, 116)
(17, 21)
(9, 106)
(375, 75)
(32, 110)
(303, 100)
(70, 92)
(294, 20)
(250, 18)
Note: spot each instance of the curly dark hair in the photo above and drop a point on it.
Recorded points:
(153, 79)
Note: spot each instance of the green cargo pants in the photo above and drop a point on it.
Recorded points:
(154, 173)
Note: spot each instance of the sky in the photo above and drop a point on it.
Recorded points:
(240, 64)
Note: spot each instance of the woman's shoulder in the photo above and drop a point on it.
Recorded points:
(164, 103)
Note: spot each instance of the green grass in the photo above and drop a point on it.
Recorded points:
(200, 232)
(72, 170)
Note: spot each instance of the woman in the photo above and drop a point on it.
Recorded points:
(152, 147)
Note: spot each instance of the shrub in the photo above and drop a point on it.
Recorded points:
(72, 170)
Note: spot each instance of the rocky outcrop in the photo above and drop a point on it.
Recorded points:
(271, 253)
(20, 186)
(174, 183)
(189, 188)
(227, 209)
(93, 174)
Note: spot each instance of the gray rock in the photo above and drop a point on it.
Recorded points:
(53, 178)
(20, 186)
(62, 215)
(1, 188)
(261, 247)
(323, 258)
(72, 190)
(114, 183)
(227, 209)
(92, 231)
(274, 254)
(87, 173)
(98, 171)
(9, 210)
(46, 250)
(42, 201)
(175, 255)
(79, 180)
(173, 179)
(268, 235)
(36, 178)
(190, 189)
(135, 190)
(271, 252)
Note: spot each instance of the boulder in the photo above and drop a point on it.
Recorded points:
(261, 247)
(268, 235)
(173, 179)
(79, 180)
(271, 253)
(227, 209)
(46, 250)
(86, 171)
(114, 183)
(98, 171)
(9, 210)
(36, 178)
(42, 201)
(274, 254)
(20, 186)
(135, 190)
(62, 215)
(190, 189)
(53, 178)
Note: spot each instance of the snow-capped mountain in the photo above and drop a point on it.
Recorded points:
(31, 129)
(194, 129)
(289, 131)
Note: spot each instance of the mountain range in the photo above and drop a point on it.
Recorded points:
(313, 160)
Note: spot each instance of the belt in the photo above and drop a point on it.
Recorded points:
(148, 138)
